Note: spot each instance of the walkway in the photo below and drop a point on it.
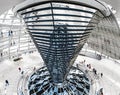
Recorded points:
(9, 70)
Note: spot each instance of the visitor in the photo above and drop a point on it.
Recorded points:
(77, 65)
(101, 75)
(6, 83)
(94, 71)
(101, 91)
(9, 33)
(19, 69)
(89, 66)
(84, 61)
(1, 54)
(22, 72)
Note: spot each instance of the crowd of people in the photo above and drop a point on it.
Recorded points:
(89, 68)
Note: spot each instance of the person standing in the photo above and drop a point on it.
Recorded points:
(101, 75)
(101, 91)
(22, 72)
(19, 69)
(6, 83)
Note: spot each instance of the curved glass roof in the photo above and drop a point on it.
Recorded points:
(8, 18)
(14, 39)
(59, 35)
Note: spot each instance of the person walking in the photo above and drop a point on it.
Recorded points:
(6, 83)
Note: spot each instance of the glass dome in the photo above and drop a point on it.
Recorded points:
(14, 39)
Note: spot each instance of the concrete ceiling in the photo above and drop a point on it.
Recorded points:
(7, 4)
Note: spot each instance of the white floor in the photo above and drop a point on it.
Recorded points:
(111, 74)
(9, 70)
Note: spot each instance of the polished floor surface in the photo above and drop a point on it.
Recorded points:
(110, 82)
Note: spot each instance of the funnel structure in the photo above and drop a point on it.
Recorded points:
(59, 29)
